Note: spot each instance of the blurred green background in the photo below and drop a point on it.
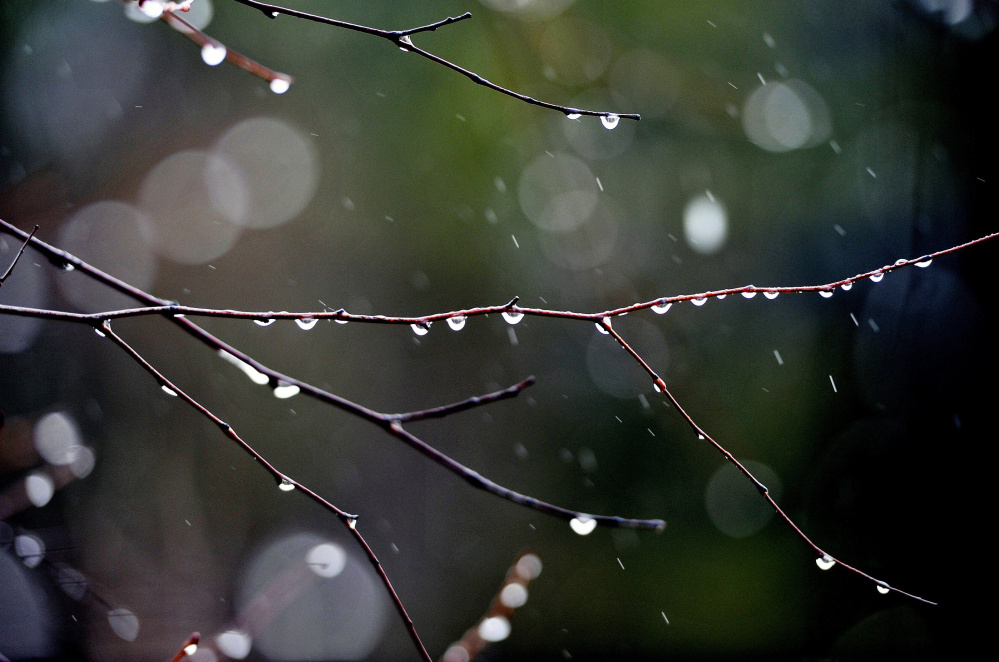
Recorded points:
(782, 143)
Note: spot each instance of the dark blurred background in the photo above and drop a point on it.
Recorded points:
(782, 143)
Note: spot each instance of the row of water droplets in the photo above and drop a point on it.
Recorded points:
(610, 122)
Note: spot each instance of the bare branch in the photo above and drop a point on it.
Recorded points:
(17, 257)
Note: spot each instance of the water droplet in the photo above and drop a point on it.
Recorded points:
(286, 485)
(169, 391)
(662, 307)
(100, 333)
(771, 295)
(925, 263)
(69, 267)
(700, 437)
(340, 321)
(825, 562)
(700, 301)
(352, 523)
(876, 278)
(406, 41)
(421, 329)
(457, 323)
(825, 294)
(151, 9)
(900, 261)
(263, 322)
(280, 85)
(529, 566)
(883, 588)
(583, 525)
(306, 323)
(283, 391)
(512, 317)
(749, 295)
(190, 649)
(721, 296)
(234, 643)
(847, 287)
(657, 386)
(326, 559)
(574, 116)
(213, 54)
(610, 121)
(602, 326)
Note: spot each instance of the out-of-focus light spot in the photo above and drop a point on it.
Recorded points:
(705, 225)
(327, 559)
(280, 168)
(204, 654)
(456, 653)
(529, 10)
(950, 12)
(124, 623)
(513, 596)
(494, 628)
(40, 488)
(234, 643)
(56, 438)
(583, 526)
(200, 14)
(589, 245)
(557, 194)
(576, 50)
(280, 85)
(213, 54)
(732, 502)
(784, 116)
(322, 619)
(26, 287)
(30, 549)
(81, 461)
(529, 566)
(72, 582)
(194, 203)
(107, 235)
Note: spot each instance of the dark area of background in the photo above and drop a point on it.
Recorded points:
(408, 190)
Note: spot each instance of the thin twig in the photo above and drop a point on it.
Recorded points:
(402, 39)
(249, 65)
(284, 482)
(10, 269)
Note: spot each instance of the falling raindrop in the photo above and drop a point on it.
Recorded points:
(876, 278)
(286, 485)
(263, 322)
(883, 588)
(771, 295)
(825, 562)
(925, 263)
(583, 525)
(825, 294)
(574, 116)
(512, 317)
(847, 287)
(603, 324)
(457, 323)
(662, 307)
(169, 391)
(610, 121)
(421, 329)
(213, 54)
(749, 295)
(280, 85)
(306, 323)
(699, 301)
